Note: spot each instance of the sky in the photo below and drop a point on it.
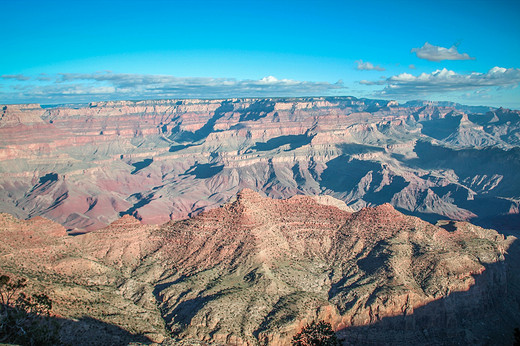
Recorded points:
(54, 52)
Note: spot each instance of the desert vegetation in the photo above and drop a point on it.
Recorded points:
(316, 334)
(25, 319)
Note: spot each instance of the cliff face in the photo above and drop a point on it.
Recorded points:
(84, 166)
(256, 270)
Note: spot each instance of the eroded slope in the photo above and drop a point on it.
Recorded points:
(255, 270)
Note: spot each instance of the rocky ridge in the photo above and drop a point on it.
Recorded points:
(255, 270)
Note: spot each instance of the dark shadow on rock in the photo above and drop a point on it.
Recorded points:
(428, 217)
(78, 332)
(492, 173)
(48, 177)
(467, 163)
(179, 147)
(449, 226)
(376, 259)
(258, 109)
(90, 331)
(204, 131)
(161, 287)
(141, 165)
(502, 222)
(354, 148)
(491, 210)
(280, 313)
(204, 170)
(142, 200)
(384, 195)
(294, 142)
(486, 314)
(298, 176)
(497, 117)
(184, 312)
(45, 182)
(441, 128)
(343, 173)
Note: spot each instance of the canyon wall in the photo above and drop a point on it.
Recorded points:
(84, 166)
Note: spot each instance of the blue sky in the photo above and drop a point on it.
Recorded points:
(80, 51)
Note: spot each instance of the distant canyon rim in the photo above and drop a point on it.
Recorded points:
(85, 166)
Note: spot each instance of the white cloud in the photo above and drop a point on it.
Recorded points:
(269, 79)
(443, 81)
(368, 66)
(436, 53)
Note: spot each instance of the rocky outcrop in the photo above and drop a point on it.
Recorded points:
(256, 270)
(259, 269)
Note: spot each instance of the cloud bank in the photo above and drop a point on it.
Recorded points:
(446, 81)
(436, 53)
(86, 87)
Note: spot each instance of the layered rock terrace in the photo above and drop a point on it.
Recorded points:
(84, 166)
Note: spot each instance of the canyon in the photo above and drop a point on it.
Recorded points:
(85, 166)
(239, 221)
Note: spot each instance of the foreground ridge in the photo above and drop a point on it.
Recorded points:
(256, 270)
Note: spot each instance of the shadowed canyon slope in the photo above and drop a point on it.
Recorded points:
(255, 270)
(84, 166)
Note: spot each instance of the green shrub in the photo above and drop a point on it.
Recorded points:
(316, 334)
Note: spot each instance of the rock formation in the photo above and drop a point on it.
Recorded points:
(256, 270)
(84, 166)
